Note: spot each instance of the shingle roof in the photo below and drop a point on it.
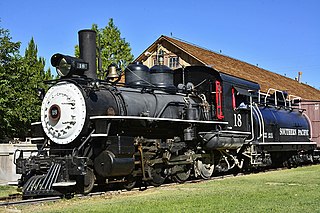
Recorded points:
(241, 69)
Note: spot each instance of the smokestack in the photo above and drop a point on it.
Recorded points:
(87, 47)
(299, 76)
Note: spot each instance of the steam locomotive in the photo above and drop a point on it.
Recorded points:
(159, 125)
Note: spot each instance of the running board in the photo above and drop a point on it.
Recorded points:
(287, 146)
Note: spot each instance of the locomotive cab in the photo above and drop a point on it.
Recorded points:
(229, 97)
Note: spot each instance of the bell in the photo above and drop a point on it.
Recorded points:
(112, 72)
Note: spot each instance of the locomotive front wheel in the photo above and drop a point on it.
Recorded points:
(89, 180)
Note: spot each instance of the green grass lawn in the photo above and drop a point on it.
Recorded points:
(295, 190)
(7, 190)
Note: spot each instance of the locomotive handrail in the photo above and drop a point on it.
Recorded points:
(310, 124)
(292, 98)
(261, 122)
(76, 149)
(155, 119)
(259, 96)
(168, 104)
(226, 132)
(133, 73)
(235, 132)
(31, 152)
(275, 97)
(251, 118)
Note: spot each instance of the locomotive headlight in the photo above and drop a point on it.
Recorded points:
(68, 65)
(63, 67)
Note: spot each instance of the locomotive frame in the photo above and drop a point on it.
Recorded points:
(154, 127)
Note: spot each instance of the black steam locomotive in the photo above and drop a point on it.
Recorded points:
(159, 125)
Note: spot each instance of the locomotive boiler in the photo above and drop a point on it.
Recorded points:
(161, 124)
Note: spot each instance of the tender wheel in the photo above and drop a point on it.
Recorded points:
(204, 170)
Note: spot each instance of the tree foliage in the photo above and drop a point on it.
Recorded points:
(20, 76)
(113, 48)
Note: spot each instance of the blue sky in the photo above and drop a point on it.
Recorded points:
(282, 36)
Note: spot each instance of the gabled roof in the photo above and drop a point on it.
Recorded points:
(238, 68)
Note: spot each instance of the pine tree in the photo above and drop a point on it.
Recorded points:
(33, 70)
(19, 79)
(10, 61)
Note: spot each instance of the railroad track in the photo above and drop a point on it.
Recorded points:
(19, 201)
(16, 199)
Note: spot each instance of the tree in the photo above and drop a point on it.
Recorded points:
(9, 63)
(34, 77)
(113, 48)
(19, 79)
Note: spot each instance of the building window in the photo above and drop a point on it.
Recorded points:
(174, 62)
(161, 53)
